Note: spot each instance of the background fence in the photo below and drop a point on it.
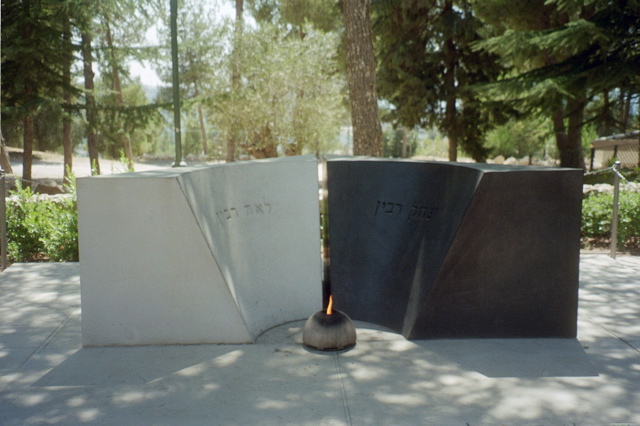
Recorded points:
(623, 148)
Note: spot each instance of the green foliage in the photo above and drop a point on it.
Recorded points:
(392, 142)
(596, 219)
(321, 14)
(38, 49)
(290, 99)
(31, 55)
(630, 174)
(518, 138)
(566, 52)
(426, 68)
(136, 119)
(432, 144)
(22, 231)
(94, 168)
(122, 166)
(40, 228)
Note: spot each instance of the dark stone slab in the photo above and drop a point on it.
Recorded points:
(443, 250)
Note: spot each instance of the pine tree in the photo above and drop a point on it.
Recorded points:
(426, 68)
(31, 64)
(566, 53)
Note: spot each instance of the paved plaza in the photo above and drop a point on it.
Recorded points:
(47, 377)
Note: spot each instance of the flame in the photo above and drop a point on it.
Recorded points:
(329, 310)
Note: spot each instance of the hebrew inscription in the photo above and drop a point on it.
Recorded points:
(388, 208)
(422, 212)
(247, 210)
(417, 212)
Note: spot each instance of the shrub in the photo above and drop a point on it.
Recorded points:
(596, 219)
(40, 228)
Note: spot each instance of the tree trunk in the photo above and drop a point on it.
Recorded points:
(638, 149)
(235, 76)
(607, 113)
(627, 108)
(268, 151)
(5, 161)
(27, 121)
(117, 86)
(203, 130)
(262, 145)
(569, 138)
(404, 142)
(92, 139)
(575, 112)
(67, 144)
(27, 153)
(361, 76)
(621, 117)
(639, 137)
(449, 123)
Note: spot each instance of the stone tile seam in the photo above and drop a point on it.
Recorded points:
(627, 267)
(55, 332)
(44, 344)
(614, 335)
(343, 391)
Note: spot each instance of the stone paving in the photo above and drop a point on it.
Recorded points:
(46, 377)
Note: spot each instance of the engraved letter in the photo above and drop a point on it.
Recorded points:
(389, 209)
(424, 212)
(413, 212)
(219, 215)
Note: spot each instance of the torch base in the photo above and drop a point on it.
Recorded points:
(333, 332)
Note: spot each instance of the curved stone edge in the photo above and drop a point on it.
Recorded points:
(391, 223)
(261, 222)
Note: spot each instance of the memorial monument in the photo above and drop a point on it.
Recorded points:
(220, 254)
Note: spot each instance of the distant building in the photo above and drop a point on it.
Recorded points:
(623, 147)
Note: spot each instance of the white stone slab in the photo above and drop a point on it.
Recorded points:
(199, 255)
(261, 220)
(147, 274)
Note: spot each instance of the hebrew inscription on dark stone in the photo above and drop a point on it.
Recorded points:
(452, 250)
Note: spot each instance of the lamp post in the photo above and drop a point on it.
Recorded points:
(179, 161)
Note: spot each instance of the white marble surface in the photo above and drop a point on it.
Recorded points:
(198, 255)
(148, 276)
(261, 221)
